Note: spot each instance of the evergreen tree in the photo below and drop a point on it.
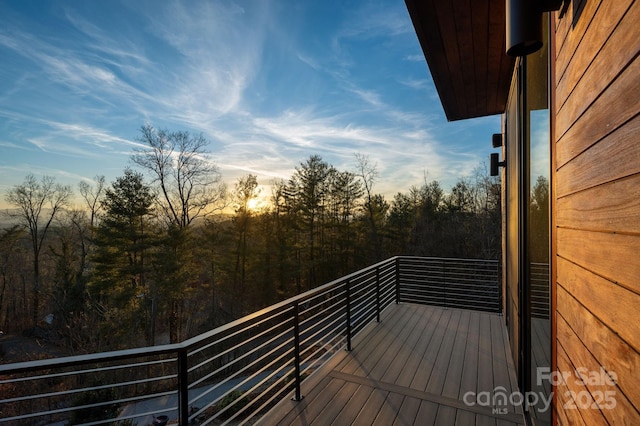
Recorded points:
(307, 190)
(124, 236)
(245, 191)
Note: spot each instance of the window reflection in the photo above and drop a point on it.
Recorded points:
(537, 110)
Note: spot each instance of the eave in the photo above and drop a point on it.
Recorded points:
(463, 42)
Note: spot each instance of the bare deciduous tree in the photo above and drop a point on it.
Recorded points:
(189, 182)
(9, 238)
(92, 196)
(368, 173)
(38, 203)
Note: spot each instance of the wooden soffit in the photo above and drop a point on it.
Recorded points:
(463, 42)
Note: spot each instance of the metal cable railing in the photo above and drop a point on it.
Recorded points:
(539, 292)
(236, 372)
(460, 283)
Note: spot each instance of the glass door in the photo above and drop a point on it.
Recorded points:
(527, 130)
(537, 142)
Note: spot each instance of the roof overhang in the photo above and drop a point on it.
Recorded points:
(464, 44)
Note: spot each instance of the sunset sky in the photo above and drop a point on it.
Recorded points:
(268, 83)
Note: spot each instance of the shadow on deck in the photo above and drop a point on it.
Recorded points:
(420, 365)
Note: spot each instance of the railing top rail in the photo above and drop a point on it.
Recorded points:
(188, 344)
(68, 361)
(62, 362)
(452, 259)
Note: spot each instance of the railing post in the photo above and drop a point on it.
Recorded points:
(183, 387)
(397, 280)
(348, 284)
(377, 294)
(296, 344)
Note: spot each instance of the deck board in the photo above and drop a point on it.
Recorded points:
(354, 406)
(408, 411)
(336, 405)
(412, 364)
(412, 368)
(372, 406)
(445, 351)
(425, 368)
(451, 388)
(397, 365)
(364, 358)
(469, 379)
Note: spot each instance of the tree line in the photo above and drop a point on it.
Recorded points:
(167, 250)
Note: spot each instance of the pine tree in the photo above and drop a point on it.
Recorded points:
(124, 237)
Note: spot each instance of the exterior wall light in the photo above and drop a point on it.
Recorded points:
(495, 163)
(524, 24)
(524, 27)
(496, 140)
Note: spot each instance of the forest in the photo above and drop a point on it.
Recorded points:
(167, 250)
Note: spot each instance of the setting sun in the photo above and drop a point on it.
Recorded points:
(254, 204)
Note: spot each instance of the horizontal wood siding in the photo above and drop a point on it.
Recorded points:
(596, 176)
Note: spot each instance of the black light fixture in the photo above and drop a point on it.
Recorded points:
(524, 27)
(496, 140)
(496, 163)
(524, 24)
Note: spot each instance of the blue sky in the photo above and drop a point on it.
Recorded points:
(268, 83)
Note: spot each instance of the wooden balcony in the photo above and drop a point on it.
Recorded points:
(438, 355)
(420, 365)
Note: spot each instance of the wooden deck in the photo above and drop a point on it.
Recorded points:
(414, 367)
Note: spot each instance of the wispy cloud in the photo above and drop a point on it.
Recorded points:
(81, 73)
(73, 139)
(110, 44)
(12, 145)
(303, 129)
(220, 46)
(417, 84)
(373, 19)
(370, 97)
(414, 58)
(24, 169)
(269, 85)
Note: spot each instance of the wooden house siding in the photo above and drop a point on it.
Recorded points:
(596, 178)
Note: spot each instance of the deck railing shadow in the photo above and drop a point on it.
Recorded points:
(237, 372)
